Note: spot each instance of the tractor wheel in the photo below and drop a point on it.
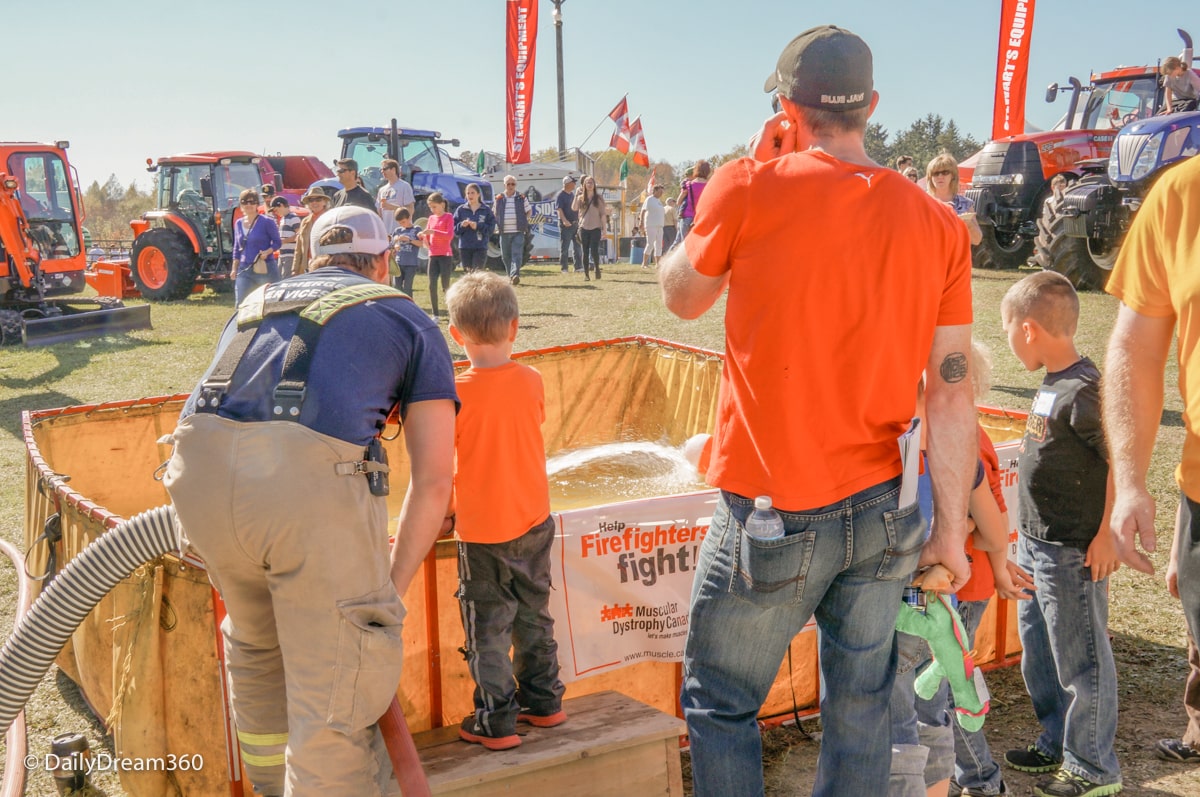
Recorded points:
(1000, 250)
(163, 265)
(1079, 259)
(1041, 244)
(10, 327)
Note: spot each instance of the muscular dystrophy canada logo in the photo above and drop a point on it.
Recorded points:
(651, 620)
(643, 555)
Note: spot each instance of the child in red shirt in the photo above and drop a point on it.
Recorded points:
(437, 236)
(505, 529)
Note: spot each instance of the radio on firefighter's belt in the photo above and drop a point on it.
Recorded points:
(377, 478)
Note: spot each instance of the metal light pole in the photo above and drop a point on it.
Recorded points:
(562, 117)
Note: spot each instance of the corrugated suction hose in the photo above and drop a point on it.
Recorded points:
(63, 605)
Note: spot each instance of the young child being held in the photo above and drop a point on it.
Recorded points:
(1067, 546)
(503, 519)
(405, 242)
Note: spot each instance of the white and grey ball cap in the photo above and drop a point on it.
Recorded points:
(368, 235)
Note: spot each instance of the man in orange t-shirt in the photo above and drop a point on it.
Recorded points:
(845, 282)
(505, 530)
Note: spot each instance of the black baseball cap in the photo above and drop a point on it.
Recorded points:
(826, 67)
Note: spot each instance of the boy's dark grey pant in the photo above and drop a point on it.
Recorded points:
(504, 595)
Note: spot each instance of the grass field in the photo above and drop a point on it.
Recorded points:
(557, 309)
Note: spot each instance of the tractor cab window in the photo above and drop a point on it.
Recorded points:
(45, 195)
(1114, 105)
(232, 179)
(369, 155)
(419, 155)
(369, 151)
(182, 187)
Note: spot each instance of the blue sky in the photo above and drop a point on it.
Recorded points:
(124, 81)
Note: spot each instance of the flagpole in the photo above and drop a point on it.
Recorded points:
(597, 127)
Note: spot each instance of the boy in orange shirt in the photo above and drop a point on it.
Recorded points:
(503, 519)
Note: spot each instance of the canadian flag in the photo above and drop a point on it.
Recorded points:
(620, 136)
(638, 141)
(650, 182)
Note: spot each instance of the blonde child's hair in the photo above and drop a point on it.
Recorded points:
(1170, 64)
(981, 369)
(482, 306)
(1046, 297)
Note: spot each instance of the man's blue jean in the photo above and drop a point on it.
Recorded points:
(847, 563)
(568, 239)
(512, 252)
(1067, 661)
(1187, 540)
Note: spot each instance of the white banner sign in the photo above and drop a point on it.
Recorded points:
(623, 574)
(1007, 452)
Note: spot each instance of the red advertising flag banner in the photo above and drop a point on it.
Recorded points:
(520, 56)
(1012, 67)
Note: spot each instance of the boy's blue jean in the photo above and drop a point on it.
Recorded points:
(847, 563)
(504, 596)
(974, 766)
(922, 740)
(1067, 661)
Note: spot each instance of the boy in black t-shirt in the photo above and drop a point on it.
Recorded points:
(1067, 545)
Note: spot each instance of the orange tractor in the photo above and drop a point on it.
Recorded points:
(42, 259)
(187, 241)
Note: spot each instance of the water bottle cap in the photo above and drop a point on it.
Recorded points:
(762, 502)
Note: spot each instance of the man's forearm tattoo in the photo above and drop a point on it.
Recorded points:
(954, 367)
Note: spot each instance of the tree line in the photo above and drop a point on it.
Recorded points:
(110, 207)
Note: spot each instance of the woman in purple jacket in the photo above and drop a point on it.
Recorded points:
(255, 241)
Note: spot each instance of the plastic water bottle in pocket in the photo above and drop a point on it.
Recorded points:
(764, 522)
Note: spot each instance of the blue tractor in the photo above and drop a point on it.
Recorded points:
(423, 163)
(1084, 230)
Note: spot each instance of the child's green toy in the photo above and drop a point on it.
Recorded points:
(940, 626)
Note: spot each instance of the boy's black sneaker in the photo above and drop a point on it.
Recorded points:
(1030, 759)
(470, 731)
(1068, 784)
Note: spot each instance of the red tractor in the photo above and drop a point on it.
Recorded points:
(188, 239)
(1011, 179)
(42, 260)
